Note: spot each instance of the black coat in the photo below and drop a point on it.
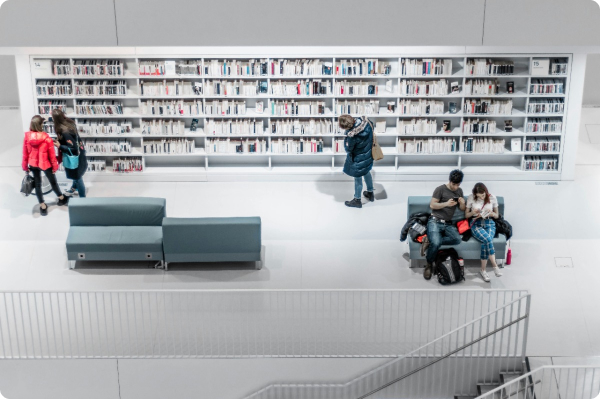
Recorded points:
(359, 158)
(419, 217)
(502, 227)
(72, 148)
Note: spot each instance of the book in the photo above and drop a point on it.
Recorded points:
(389, 86)
(446, 126)
(194, 125)
(170, 68)
(515, 145)
(380, 127)
(452, 107)
(508, 125)
(510, 87)
(454, 87)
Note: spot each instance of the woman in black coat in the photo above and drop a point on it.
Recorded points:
(69, 143)
(358, 144)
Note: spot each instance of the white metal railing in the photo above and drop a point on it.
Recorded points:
(551, 382)
(451, 364)
(237, 323)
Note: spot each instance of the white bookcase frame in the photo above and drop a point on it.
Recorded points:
(268, 166)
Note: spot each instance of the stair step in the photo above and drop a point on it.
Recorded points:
(485, 388)
(464, 397)
(508, 377)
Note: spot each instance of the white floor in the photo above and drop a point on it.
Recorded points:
(313, 241)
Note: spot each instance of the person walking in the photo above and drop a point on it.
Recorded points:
(483, 208)
(358, 144)
(69, 143)
(38, 157)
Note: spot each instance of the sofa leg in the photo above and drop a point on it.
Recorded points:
(72, 264)
(166, 265)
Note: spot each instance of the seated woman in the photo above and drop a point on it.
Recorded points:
(483, 207)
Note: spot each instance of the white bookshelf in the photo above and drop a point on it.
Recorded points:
(506, 165)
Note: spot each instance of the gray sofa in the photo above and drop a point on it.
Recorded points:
(467, 250)
(115, 229)
(236, 239)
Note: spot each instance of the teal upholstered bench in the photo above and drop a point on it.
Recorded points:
(234, 239)
(115, 229)
(468, 250)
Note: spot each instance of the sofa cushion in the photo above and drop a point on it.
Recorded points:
(212, 239)
(117, 211)
(115, 239)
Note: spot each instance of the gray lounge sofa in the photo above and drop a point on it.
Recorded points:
(235, 239)
(115, 229)
(467, 250)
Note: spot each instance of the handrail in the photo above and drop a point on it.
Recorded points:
(429, 344)
(535, 379)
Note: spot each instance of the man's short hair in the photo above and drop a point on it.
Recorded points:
(456, 176)
(346, 122)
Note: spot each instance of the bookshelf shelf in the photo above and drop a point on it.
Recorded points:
(200, 163)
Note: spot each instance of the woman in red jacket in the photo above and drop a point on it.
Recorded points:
(39, 156)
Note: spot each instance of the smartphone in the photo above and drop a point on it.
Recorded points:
(456, 199)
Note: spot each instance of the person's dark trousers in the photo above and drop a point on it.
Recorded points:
(439, 234)
(37, 178)
(79, 186)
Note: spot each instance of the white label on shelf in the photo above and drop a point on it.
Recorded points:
(169, 68)
(540, 66)
(43, 65)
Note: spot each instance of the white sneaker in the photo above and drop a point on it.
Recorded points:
(497, 272)
(484, 276)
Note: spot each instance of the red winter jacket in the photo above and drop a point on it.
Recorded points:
(38, 151)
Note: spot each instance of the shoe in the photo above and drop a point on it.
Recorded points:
(427, 272)
(424, 245)
(44, 211)
(497, 272)
(355, 203)
(70, 192)
(64, 201)
(369, 195)
(484, 276)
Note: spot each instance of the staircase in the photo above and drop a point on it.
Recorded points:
(505, 377)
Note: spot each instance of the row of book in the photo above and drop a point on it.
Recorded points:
(235, 88)
(420, 107)
(542, 145)
(359, 88)
(163, 127)
(61, 67)
(169, 146)
(540, 163)
(128, 165)
(546, 106)
(167, 67)
(417, 126)
(483, 145)
(285, 107)
(233, 146)
(427, 87)
(107, 147)
(98, 68)
(298, 127)
(369, 66)
(45, 107)
(93, 165)
(309, 87)
(547, 86)
(234, 127)
(488, 106)
(558, 66)
(486, 66)
(99, 108)
(170, 88)
(93, 128)
(359, 107)
(172, 107)
(481, 86)
(425, 67)
(544, 125)
(100, 88)
(478, 126)
(295, 146)
(53, 87)
(235, 68)
(305, 67)
(426, 146)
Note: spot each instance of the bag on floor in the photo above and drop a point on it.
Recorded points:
(448, 269)
(27, 185)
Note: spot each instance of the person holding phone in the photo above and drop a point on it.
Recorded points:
(483, 207)
(440, 230)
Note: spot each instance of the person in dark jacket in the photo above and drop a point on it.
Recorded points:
(358, 144)
(39, 156)
(67, 143)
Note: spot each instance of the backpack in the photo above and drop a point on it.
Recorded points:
(447, 267)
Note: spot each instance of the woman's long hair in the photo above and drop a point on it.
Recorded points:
(480, 188)
(62, 124)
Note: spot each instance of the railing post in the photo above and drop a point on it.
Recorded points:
(525, 330)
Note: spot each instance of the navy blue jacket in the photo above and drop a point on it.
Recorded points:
(359, 159)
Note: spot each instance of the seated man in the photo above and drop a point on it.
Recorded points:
(440, 230)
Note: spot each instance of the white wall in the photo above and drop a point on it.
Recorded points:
(591, 93)
(9, 94)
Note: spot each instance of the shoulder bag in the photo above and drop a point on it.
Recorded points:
(376, 151)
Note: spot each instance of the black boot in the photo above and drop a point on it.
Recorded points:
(428, 271)
(355, 203)
(64, 201)
(369, 195)
(44, 211)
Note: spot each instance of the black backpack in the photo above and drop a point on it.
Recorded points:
(447, 268)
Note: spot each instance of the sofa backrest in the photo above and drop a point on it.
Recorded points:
(421, 204)
(117, 211)
(212, 235)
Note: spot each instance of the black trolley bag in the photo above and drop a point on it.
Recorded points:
(448, 270)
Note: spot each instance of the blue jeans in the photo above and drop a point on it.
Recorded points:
(440, 234)
(79, 186)
(484, 231)
(358, 186)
